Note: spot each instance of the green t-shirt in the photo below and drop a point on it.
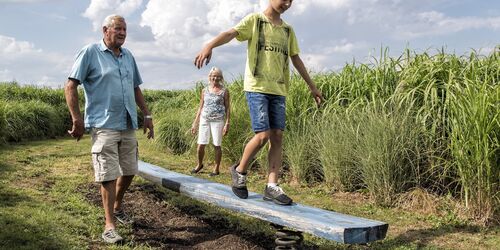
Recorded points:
(269, 49)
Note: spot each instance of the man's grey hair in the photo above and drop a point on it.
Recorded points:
(110, 20)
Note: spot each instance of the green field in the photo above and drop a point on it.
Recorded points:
(42, 205)
(413, 140)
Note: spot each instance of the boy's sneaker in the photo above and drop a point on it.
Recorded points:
(239, 182)
(123, 218)
(276, 195)
(111, 236)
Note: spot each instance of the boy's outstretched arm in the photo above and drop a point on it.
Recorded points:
(299, 65)
(206, 52)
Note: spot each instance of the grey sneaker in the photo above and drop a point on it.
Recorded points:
(123, 218)
(276, 195)
(111, 236)
(238, 182)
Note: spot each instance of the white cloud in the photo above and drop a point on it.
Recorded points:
(99, 9)
(181, 27)
(24, 1)
(437, 23)
(9, 46)
(6, 75)
(299, 7)
(23, 62)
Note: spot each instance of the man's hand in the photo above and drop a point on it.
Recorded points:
(148, 127)
(77, 129)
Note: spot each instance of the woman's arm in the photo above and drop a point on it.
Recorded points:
(227, 106)
(198, 113)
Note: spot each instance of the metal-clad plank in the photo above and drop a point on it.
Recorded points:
(322, 223)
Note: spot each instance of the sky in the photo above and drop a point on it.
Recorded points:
(39, 39)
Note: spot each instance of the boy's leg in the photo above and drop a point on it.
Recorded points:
(275, 155)
(258, 105)
(252, 148)
(277, 112)
(273, 192)
(238, 170)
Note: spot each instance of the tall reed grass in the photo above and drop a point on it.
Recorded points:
(427, 120)
(422, 120)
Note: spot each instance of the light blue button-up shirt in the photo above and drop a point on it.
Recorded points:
(108, 82)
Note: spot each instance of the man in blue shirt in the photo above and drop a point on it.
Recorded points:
(110, 80)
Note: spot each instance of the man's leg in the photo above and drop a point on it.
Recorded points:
(107, 171)
(128, 156)
(122, 185)
(108, 194)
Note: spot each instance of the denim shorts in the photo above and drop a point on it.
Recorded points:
(266, 111)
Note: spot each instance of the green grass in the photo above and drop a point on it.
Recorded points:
(429, 120)
(40, 206)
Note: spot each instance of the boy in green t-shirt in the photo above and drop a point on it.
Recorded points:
(271, 43)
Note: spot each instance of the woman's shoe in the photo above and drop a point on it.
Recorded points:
(213, 174)
(196, 170)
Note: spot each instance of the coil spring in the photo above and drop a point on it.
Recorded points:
(287, 239)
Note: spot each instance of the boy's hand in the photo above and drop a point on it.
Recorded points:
(205, 54)
(318, 97)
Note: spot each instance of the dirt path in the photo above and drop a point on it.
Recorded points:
(161, 224)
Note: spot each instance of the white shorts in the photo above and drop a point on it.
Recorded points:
(214, 128)
(114, 153)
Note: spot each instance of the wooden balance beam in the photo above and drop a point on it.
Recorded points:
(322, 223)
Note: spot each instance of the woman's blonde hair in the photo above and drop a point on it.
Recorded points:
(216, 69)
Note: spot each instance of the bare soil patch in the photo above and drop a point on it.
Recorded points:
(161, 224)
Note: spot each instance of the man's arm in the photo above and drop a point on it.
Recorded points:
(71, 94)
(299, 65)
(206, 52)
(148, 120)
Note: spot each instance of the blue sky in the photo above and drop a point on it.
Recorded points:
(39, 38)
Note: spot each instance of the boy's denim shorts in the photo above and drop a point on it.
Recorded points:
(266, 111)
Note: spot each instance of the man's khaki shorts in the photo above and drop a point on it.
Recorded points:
(114, 153)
